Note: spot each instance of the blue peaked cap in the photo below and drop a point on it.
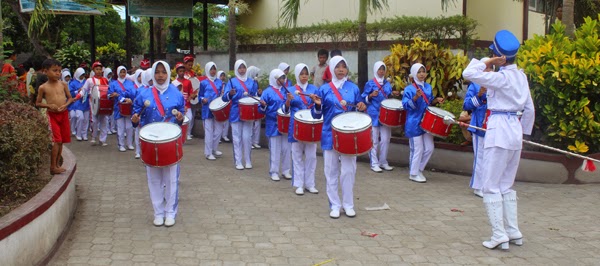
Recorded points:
(505, 44)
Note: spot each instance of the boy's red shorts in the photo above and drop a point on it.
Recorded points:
(60, 126)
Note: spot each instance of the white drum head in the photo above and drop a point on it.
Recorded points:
(440, 112)
(393, 104)
(281, 113)
(351, 121)
(217, 104)
(95, 100)
(306, 117)
(195, 83)
(186, 120)
(248, 101)
(160, 132)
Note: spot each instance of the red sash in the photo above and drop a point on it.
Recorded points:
(243, 84)
(380, 88)
(423, 95)
(337, 94)
(161, 109)
(298, 88)
(135, 86)
(278, 93)
(214, 87)
(102, 80)
(121, 84)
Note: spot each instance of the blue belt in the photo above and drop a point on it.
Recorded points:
(519, 113)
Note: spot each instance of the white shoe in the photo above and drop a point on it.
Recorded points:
(73, 133)
(287, 175)
(137, 155)
(376, 169)
(114, 132)
(421, 175)
(93, 141)
(335, 213)
(218, 153)
(211, 157)
(256, 146)
(248, 166)
(85, 139)
(239, 167)
(109, 132)
(169, 222)
(387, 167)
(226, 139)
(130, 147)
(104, 144)
(189, 137)
(159, 221)
(299, 191)
(275, 177)
(312, 190)
(78, 138)
(417, 178)
(478, 193)
(121, 149)
(350, 212)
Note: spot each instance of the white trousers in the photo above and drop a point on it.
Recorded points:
(477, 177)
(381, 143)
(212, 135)
(241, 133)
(190, 115)
(100, 125)
(138, 150)
(112, 125)
(124, 127)
(164, 190)
(499, 170)
(280, 155)
(225, 131)
(83, 123)
(304, 159)
(73, 121)
(256, 131)
(334, 163)
(421, 148)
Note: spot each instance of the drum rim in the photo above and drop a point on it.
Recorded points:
(185, 122)
(255, 102)
(225, 104)
(390, 108)
(160, 141)
(351, 130)
(312, 122)
(439, 115)
(282, 113)
(435, 134)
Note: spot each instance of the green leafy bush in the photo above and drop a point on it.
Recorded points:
(563, 77)
(73, 55)
(25, 151)
(111, 54)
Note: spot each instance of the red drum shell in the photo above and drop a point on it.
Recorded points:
(485, 120)
(184, 127)
(283, 122)
(307, 129)
(433, 122)
(106, 105)
(392, 115)
(125, 109)
(220, 109)
(249, 109)
(352, 139)
(158, 151)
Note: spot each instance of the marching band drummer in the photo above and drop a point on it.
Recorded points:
(285, 67)
(241, 131)
(304, 154)
(209, 90)
(188, 95)
(122, 91)
(253, 74)
(112, 126)
(328, 104)
(81, 106)
(279, 148)
(417, 97)
(100, 122)
(225, 132)
(375, 91)
(162, 181)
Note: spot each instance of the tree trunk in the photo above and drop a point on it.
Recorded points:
(1, 36)
(232, 35)
(24, 20)
(568, 17)
(363, 56)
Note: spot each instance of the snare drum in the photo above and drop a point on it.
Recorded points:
(249, 109)
(125, 109)
(161, 144)
(391, 113)
(283, 122)
(184, 128)
(307, 128)
(352, 133)
(101, 104)
(433, 122)
(220, 109)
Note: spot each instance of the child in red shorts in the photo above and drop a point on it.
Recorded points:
(57, 96)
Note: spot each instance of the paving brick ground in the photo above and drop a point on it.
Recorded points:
(231, 217)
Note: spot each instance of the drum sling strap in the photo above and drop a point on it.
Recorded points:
(212, 84)
(380, 88)
(159, 105)
(423, 95)
(337, 94)
(278, 93)
(121, 84)
(243, 85)
(303, 97)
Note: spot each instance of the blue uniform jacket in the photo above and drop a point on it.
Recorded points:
(374, 104)
(170, 99)
(81, 104)
(297, 104)
(477, 106)
(274, 102)
(207, 91)
(234, 115)
(415, 110)
(330, 107)
(127, 91)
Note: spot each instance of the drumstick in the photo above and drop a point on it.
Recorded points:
(248, 95)
(449, 120)
(146, 104)
(306, 94)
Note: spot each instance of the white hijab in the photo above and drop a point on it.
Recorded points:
(146, 77)
(414, 69)
(297, 70)
(283, 66)
(119, 74)
(165, 85)
(64, 75)
(135, 77)
(376, 68)
(332, 63)
(107, 71)
(238, 63)
(253, 72)
(207, 68)
(79, 74)
(275, 74)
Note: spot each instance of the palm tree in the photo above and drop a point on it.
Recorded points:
(291, 8)
(568, 17)
(239, 7)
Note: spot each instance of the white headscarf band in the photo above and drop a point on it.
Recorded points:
(376, 68)
(333, 62)
(274, 76)
(107, 71)
(64, 75)
(297, 70)
(283, 66)
(253, 72)
(414, 70)
(238, 63)
(79, 74)
(119, 73)
(146, 77)
(135, 77)
(165, 85)
(207, 68)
